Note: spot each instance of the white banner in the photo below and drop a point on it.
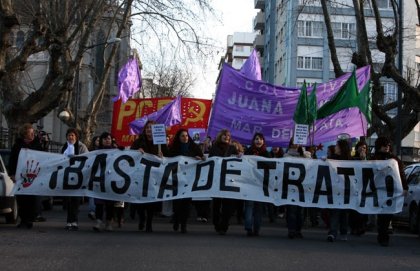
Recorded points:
(367, 186)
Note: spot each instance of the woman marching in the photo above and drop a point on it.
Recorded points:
(105, 142)
(26, 203)
(222, 207)
(253, 209)
(73, 147)
(144, 144)
(383, 152)
(339, 217)
(183, 145)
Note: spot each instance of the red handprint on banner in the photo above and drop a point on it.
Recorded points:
(31, 173)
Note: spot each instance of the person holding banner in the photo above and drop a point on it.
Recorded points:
(144, 144)
(294, 213)
(339, 217)
(222, 207)
(184, 145)
(105, 142)
(73, 147)
(253, 209)
(358, 221)
(383, 152)
(26, 203)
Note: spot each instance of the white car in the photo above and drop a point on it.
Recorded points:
(411, 207)
(8, 205)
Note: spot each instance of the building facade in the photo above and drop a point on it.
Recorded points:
(296, 47)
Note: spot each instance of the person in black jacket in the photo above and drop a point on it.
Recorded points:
(26, 203)
(222, 207)
(383, 152)
(144, 144)
(253, 209)
(73, 147)
(183, 145)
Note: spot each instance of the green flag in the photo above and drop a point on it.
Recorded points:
(365, 102)
(312, 106)
(346, 97)
(301, 112)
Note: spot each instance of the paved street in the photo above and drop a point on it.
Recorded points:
(49, 247)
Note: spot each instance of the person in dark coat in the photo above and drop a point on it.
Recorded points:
(183, 145)
(222, 207)
(144, 144)
(339, 217)
(253, 209)
(73, 147)
(26, 203)
(358, 221)
(383, 152)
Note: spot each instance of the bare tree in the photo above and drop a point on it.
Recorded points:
(63, 30)
(166, 77)
(387, 43)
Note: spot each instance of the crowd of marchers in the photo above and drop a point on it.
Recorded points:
(108, 214)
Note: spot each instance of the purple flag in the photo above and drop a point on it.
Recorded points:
(129, 80)
(252, 68)
(246, 106)
(169, 115)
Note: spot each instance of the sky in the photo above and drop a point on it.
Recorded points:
(236, 16)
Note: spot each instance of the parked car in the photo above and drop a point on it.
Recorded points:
(8, 205)
(411, 208)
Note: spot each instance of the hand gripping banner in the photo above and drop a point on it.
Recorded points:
(371, 187)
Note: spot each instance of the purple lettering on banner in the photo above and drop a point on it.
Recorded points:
(246, 106)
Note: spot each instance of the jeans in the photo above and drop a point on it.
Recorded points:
(253, 215)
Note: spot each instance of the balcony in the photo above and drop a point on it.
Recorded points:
(259, 4)
(259, 21)
(259, 42)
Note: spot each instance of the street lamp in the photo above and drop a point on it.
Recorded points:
(65, 114)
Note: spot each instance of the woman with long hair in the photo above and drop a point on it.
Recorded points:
(184, 145)
(105, 143)
(253, 209)
(144, 144)
(339, 217)
(222, 207)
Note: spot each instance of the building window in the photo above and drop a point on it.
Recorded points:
(20, 37)
(416, 136)
(309, 29)
(344, 30)
(239, 48)
(309, 63)
(390, 92)
(384, 4)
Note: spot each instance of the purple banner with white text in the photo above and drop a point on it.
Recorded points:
(246, 106)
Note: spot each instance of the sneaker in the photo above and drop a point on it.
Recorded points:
(92, 215)
(99, 226)
(249, 233)
(74, 226)
(199, 219)
(291, 235)
(204, 220)
(68, 226)
(330, 238)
